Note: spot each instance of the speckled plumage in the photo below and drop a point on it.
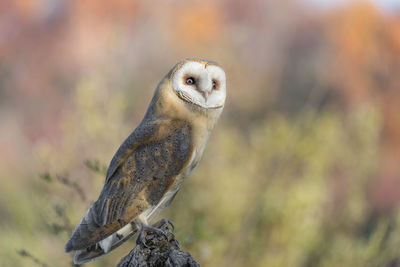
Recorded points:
(147, 170)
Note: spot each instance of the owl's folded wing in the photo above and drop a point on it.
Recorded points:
(140, 173)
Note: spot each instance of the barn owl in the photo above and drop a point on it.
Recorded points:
(150, 166)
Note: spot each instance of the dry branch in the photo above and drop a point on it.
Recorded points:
(160, 252)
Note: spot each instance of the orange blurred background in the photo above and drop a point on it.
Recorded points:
(282, 58)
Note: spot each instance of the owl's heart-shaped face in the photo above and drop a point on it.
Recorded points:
(201, 83)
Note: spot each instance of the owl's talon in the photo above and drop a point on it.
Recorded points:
(163, 222)
(141, 240)
(143, 233)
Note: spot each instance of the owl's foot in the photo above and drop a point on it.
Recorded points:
(162, 222)
(144, 231)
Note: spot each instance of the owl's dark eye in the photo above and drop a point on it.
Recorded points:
(214, 85)
(190, 80)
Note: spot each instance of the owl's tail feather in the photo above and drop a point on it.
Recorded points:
(91, 240)
(106, 245)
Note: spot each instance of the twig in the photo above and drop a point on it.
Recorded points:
(65, 181)
(27, 254)
(96, 166)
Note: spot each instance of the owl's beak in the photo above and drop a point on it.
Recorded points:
(206, 94)
(205, 85)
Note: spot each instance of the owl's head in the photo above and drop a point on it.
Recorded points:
(199, 82)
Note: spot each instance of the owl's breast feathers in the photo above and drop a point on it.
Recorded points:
(146, 167)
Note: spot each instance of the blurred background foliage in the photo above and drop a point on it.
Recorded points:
(302, 169)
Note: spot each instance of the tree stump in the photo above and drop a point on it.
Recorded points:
(160, 251)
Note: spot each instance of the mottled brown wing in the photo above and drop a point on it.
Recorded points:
(139, 175)
(145, 132)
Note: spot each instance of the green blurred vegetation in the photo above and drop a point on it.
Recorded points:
(293, 192)
(289, 190)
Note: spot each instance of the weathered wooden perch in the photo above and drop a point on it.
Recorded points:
(160, 252)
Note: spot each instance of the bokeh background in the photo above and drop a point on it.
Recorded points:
(302, 169)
